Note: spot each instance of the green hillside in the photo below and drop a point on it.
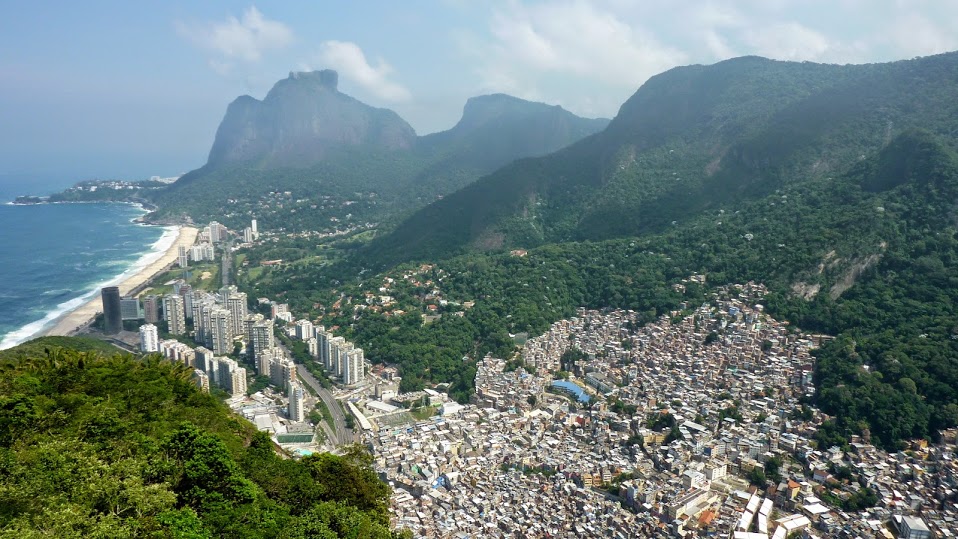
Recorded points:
(868, 256)
(691, 139)
(96, 446)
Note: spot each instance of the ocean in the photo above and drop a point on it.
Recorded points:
(55, 257)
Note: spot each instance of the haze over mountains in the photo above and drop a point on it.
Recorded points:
(307, 137)
(690, 139)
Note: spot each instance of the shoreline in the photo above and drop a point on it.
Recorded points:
(70, 322)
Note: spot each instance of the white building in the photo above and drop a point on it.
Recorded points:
(304, 330)
(354, 367)
(174, 312)
(220, 331)
(297, 403)
(149, 338)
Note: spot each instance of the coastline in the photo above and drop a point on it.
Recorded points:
(69, 322)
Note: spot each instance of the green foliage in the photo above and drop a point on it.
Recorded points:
(756, 476)
(773, 468)
(97, 446)
(691, 139)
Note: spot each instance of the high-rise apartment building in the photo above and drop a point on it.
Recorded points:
(297, 403)
(236, 303)
(112, 315)
(221, 331)
(354, 371)
(151, 309)
(186, 291)
(149, 338)
(261, 337)
(282, 372)
(202, 252)
(303, 329)
(206, 361)
(174, 312)
(217, 232)
(130, 309)
(182, 256)
(230, 376)
(334, 345)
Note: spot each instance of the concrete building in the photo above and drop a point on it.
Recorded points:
(912, 528)
(202, 253)
(174, 312)
(304, 329)
(297, 402)
(205, 360)
(230, 376)
(218, 232)
(282, 372)
(354, 371)
(112, 314)
(151, 309)
(236, 303)
(149, 338)
(221, 331)
(260, 336)
(202, 380)
(182, 256)
(130, 309)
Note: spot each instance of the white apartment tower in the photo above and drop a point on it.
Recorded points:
(261, 337)
(354, 371)
(237, 305)
(221, 331)
(149, 338)
(282, 372)
(304, 330)
(174, 312)
(297, 403)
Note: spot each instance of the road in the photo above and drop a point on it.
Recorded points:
(342, 435)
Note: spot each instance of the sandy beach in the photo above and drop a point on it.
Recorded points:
(85, 313)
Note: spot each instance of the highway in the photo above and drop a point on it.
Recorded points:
(342, 435)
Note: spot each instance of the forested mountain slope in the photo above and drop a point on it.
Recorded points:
(691, 139)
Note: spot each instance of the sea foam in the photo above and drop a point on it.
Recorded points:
(34, 329)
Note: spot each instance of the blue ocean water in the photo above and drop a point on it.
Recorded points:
(54, 257)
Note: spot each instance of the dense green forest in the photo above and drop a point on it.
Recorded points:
(99, 445)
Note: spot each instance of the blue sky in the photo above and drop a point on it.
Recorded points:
(132, 89)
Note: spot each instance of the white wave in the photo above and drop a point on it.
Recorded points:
(36, 328)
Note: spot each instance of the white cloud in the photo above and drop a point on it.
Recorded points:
(348, 59)
(577, 38)
(787, 41)
(245, 39)
(917, 35)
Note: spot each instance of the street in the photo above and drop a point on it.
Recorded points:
(342, 435)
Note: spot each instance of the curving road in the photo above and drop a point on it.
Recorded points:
(341, 434)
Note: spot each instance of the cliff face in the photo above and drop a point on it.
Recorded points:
(300, 120)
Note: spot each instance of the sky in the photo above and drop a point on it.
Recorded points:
(120, 89)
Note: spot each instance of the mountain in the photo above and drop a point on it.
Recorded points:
(690, 139)
(344, 160)
(300, 120)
